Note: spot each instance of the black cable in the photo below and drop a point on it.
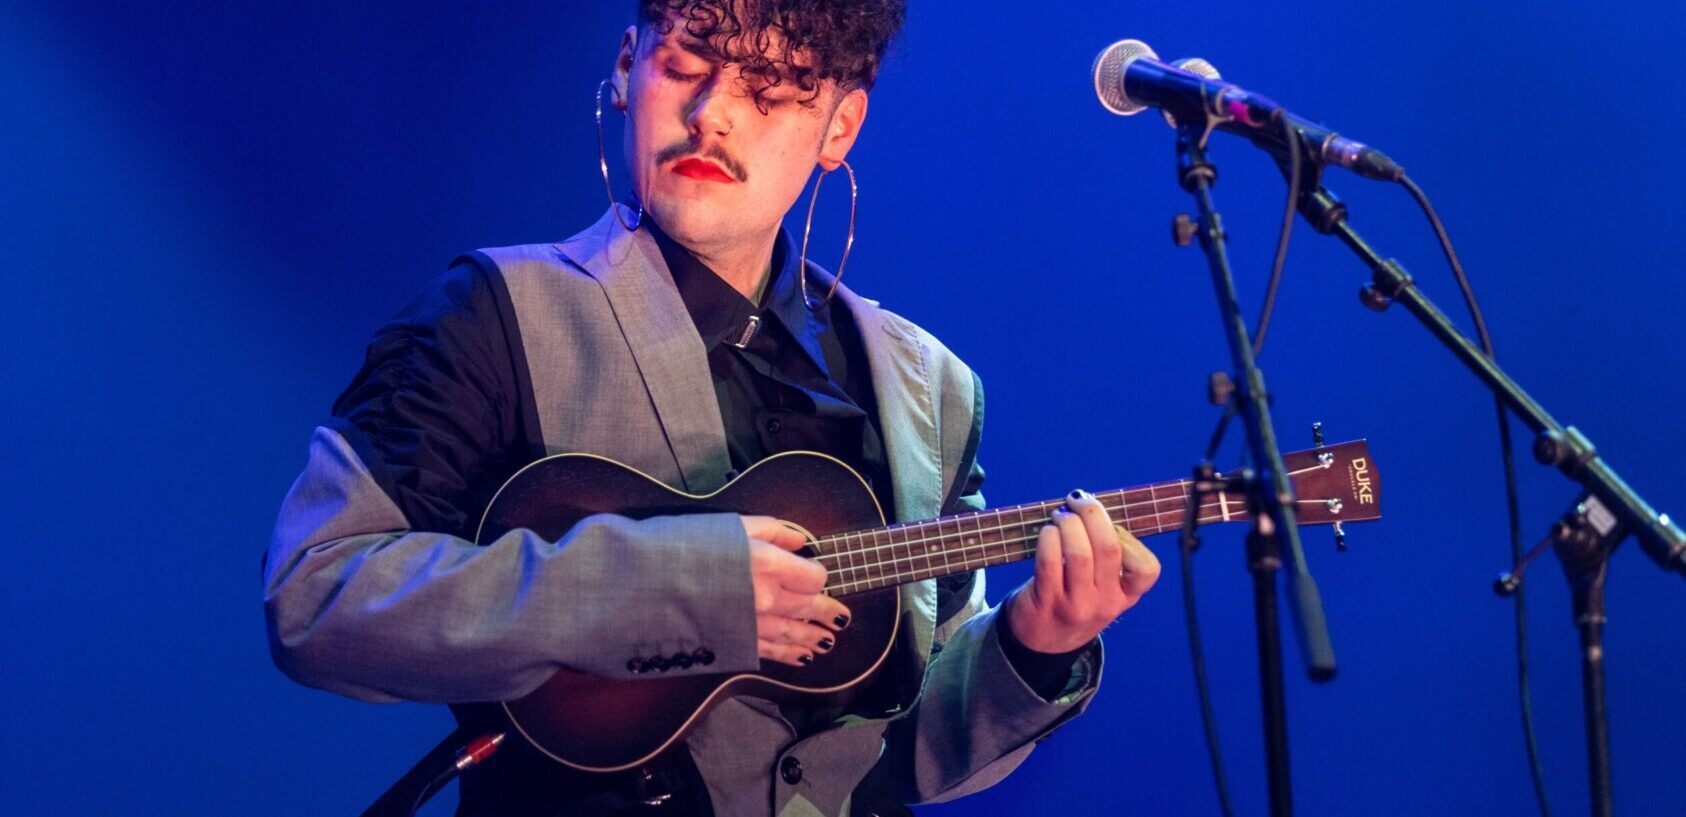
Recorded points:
(1191, 619)
(1207, 716)
(1512, 506)
(433, 786)
(1292, 135)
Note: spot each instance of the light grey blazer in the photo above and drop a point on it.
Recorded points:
(359, 603)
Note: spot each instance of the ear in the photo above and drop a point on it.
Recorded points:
(619, 75)
(845, 127)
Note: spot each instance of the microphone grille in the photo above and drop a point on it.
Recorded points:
(1197, 67)
(1109, 75)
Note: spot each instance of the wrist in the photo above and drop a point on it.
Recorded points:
(1022, 626)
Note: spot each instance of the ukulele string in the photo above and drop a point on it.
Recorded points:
(1040, 508)
(1006, 553)
(854, 555)
(1045, 507)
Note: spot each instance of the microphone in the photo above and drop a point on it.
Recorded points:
(1129, 78)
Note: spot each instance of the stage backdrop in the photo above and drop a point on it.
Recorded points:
(207, 208)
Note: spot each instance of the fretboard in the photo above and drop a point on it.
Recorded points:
(885, 557)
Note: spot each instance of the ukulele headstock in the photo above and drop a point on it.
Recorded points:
(1335, 483)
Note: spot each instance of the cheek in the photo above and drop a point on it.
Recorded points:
(649, 123)
(640, 141)
(792, 165)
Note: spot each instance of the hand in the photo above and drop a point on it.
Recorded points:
(1088, 572)
(793, 617)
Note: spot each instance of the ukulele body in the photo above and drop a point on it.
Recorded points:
(595, 724)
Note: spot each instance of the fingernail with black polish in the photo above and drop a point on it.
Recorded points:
(1077, 494)
(804, 660)
(841, 622)
(826, 644)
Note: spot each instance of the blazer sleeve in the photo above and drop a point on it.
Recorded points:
(372, 590)
(976, 719)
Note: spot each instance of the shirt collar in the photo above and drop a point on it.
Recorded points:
(721, 312)
(715, 307)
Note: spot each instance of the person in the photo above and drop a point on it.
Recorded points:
(687, 336)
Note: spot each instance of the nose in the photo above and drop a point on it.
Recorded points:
(711, 112)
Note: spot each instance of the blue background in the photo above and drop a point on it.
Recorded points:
(209, 206)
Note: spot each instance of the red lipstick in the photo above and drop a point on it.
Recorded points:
(695, 168)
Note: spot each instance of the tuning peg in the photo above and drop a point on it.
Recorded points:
(1324, 458)
(1340, 539)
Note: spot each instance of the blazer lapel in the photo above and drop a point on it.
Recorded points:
(907, 413)
(665, 345)
(907, 416)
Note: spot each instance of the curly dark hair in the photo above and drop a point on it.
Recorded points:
(802, 42)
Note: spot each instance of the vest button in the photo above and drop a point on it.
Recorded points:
(774, 425)
(791, 770)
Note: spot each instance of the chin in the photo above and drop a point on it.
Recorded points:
(694, 223)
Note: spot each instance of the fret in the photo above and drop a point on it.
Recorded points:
(931, 538)
(961, 541)
(1153, 505)
(933, 548)
(869, 559)
(971, 545)
(866, 552)
(912, 569)
(859, 556)
(1237, 505)
(838, 548)
(1160, 525)
(994, 534)
(1131, 523)
(1029, 531)
(1181, 509)
(962, 554)
(1159, 511)
(904, 565)
(921, 537)
(896, 544)
(860, 559)
(843, 556)
(1023, 535)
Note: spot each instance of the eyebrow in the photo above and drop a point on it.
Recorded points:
(694, 46)
(708, 52)
(702, 50)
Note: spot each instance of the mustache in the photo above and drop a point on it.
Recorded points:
(680, 150)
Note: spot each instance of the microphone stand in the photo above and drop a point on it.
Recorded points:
(1269, 497)
(1606, 512)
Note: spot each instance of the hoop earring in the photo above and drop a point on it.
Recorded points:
(848, 243)
(603, 165)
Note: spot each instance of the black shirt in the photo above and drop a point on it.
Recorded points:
(791, 378)
(786, 378)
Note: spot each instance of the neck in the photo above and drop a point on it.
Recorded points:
(744, 265)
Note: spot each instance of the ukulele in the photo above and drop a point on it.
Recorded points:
(599, 725)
